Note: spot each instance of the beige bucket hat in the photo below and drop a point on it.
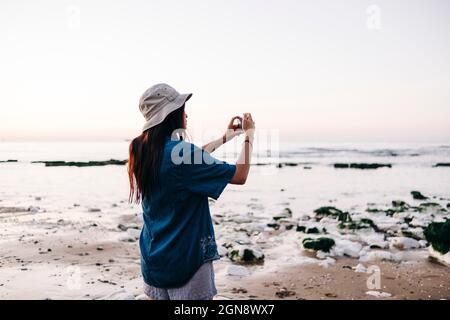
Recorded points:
(158, 101)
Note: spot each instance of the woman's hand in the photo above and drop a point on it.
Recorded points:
(248, 124)
(233, 130)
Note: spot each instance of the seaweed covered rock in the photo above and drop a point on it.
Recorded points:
(414, 233)
(362, 165)
(318, 244)
(309, 230)
(431, 206)
(418, 196)
(82, 164)
(344, 217)
(442, 164)
(245, 254)
(400, 206)
(357, 225)
(327, 212)
(285, 214)
(438, 234)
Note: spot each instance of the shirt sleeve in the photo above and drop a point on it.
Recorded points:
(203, 174)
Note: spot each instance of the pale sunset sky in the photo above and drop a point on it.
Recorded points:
(350, 70)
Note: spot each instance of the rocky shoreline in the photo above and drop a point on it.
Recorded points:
(280, 251)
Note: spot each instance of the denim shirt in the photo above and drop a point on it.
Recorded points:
(178, 235)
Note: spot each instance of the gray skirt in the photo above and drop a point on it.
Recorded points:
(200, 287)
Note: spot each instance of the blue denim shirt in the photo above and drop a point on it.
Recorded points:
(178, 235)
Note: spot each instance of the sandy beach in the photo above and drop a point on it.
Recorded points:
(82, 258)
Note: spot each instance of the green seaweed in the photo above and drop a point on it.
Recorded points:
(438, 234)
(247, 256)
(418, 196)
(322, 244)
(357, 225)
(442, 164)
(362, 165)
(344, 217)
(327, 211)
(82, 164)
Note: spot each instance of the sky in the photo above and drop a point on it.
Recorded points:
(338, 71)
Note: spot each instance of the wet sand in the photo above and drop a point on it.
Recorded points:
(83, 254)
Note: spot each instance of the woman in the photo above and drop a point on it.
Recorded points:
(173, 179)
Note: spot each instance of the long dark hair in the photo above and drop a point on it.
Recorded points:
(145, 154)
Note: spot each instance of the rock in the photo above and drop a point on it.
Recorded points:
(362, 165)
(100, 248)
(442, 164)
(12, 209)
(304, 229)
(404, 243)
(275, 226)
(128, 226)
(126, 238)
(331, 295)
(312, 230)
(360, 268)
(94, 210)
(284, 292)
(322, 244)
(415, 233)
(344, 247)
(418, 196)
(33, 209)
(357, 225)
(375, 240)
(142, 297)
(439, 257)
(438, 234)
(327, 212)
(344, 217)
(380, 255)
(399, 206)
(287, 164)
(243, 254)
(238, 290)
(82, 164)
(378, 294)
(286, 213)
(239, 271)
(431, 207)
(374, 210)
(38, 198)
